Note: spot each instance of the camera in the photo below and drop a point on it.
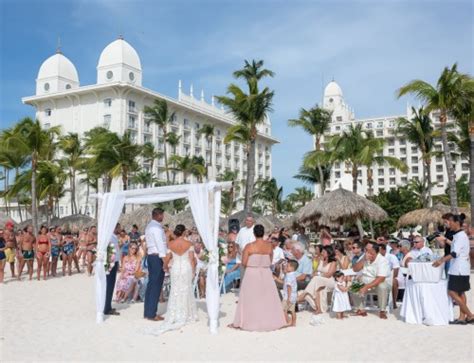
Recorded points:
(431, 237)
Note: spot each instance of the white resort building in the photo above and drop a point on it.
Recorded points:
(116, 102)
(385, 177)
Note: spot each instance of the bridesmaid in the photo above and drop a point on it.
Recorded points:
(259, 307)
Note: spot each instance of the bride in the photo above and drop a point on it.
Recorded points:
(181, 264)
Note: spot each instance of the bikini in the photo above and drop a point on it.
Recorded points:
(42, 242)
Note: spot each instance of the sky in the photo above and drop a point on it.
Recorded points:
(370, 48)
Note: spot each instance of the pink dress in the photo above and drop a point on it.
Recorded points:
(128, 276)
(259, 307)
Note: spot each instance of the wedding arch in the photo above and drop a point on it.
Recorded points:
(205, 202)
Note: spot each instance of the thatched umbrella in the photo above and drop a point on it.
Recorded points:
(338, 207)
(141, 217)
(74, 222)
(426, 216)
(185, 217)
(259, 219)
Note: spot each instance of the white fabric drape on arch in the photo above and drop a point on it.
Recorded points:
(205, 201)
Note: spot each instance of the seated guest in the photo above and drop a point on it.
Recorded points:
(384, 241)
(305, 269)
(396, 250)
(419, 248)
(342, 260)
(394, 270)
(318, 249)
(356, 253)
(278, 256)
(405, 248)
(232, 271)
(316, 291)
(287, 248)
(375, 269)
(127, 279)
(459, 270)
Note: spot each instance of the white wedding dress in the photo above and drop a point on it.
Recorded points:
(181, 308)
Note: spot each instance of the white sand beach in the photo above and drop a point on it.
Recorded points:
(54, 320)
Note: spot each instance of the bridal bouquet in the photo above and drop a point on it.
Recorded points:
(110, 259)
(356, 286)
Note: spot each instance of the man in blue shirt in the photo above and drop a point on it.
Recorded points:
(305, 266)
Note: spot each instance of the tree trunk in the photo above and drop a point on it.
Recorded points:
(322, 182)
(453, 198)
(370, 184)
(74, 190)
(96, 200)
(87, 197)
(360, 228)
(249, 183)
(165, 153)
(354, 178)
(231, 197)
(71, 192)
(124, 186)
(471, 163)
(428, 185)
(34, 206)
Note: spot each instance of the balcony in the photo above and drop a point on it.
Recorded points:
(132, 109)
(186, 141)
(132, 125)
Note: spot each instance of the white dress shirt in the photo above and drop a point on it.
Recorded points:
(155, 239)
(244, 237)
(380, 267)
(277, 255)
(460, 265)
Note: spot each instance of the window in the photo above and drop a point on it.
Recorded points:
(197, 126)
(403, 150)
(465, 166)
(380, 124)
(368, 125)
(379, 133)
(359, 172)
(131, 76)
(414, 159)
(439, 168)
(68, 86)
(392, 171)
(107, 120)
(414, 170)
(391, 152)
(439, 159)
(337, 174)
(338, 128)
(131, 106)
(47, 125)
(381, 172)
(146, 138)
(403, 142)
(108, 102)
(391, 142)
(46, 86)
(381, 181)
(147, 127)
(414, 149)
(186, 123)
(47, 112)
(391, 123)
(404, 180)
(110, 74)
(339, 118)
(403, 160)
(392, 181)
(131, 122)
(439, 178)
(218, 132)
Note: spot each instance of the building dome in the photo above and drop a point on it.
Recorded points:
(333, 89)
(58, 66)
(119, 52)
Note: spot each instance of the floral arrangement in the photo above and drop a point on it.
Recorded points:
(110, 259)
(356, 286)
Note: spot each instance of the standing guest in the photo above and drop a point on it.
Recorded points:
(232, 270)
(156, 249)
(75, 259)
(2, 255)
(232, 235)
(82, 250)
(375, 269)
(10, 246)
(325, 236)
(244, 237)
(27, 251)
(68, 252)
(43, 251)
(459, 270)
(259, 308)
(91, 248)
(394, 265)
(316, 291)
(275, 233)
(446, 240)
(55, 239)
(341, 296)
(134, 234)
(112, 275)
(124, 241)
(201, 267)
(356, 252)
(342, 260)
(127, 279)
(289, 292)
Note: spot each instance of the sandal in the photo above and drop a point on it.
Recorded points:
(458, 322)
(470, 321)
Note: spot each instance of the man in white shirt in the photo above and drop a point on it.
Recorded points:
(156, 250)
(112, 276)
(278, 256)
(419, 248)
(375, 269)
(392, 277)
(245, 235)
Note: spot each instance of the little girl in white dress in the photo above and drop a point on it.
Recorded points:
(341, 297)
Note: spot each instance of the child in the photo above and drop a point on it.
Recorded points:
(289, 291)
(341, 297)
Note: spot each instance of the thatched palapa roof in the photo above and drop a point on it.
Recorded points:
(265, 221)
(338, 207)
(426, 216)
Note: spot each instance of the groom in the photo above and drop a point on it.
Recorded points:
(156, 250)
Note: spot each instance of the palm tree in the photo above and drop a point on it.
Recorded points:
(144, 178)
(150, 155)
(316, 122)
(268, 192)
(444, 97)
(310, 175)
(173, 140)
(419, 131)
(29, 137)
(249, 109)
(208, 132)
(228, 197)
(160, 115)
(91, 180)
(189, 166)
(73, 150)
(301, 196)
